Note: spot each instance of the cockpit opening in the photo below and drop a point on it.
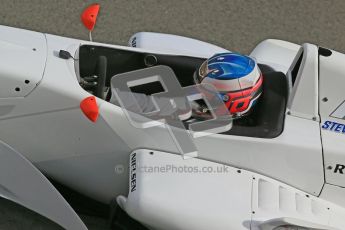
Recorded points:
(97, 65)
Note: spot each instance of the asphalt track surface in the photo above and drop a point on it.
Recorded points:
(233, 24)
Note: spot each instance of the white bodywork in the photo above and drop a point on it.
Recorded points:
(173, 44)
(43, 121)
(304, 101)
(276, 53)
(22, 62)
(331, 106)
(198, 194)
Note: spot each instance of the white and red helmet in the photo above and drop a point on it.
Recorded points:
(237, 78)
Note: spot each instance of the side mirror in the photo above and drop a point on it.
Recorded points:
(89, 17)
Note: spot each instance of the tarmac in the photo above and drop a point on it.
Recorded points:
(233, 24)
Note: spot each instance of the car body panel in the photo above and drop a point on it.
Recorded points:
(332, 97)
(304, 97)
(23, 183)
(174, 44)
(203, 195)
(276, 53)
(23, 58)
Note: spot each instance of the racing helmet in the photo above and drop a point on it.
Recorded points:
(237, 78)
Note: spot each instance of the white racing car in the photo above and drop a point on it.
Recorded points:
(281, 168)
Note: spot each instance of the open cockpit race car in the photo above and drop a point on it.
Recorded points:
(280, 167)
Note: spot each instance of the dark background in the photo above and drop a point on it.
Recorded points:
(233, 24)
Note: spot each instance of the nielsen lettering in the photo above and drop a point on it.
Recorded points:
(133, 178)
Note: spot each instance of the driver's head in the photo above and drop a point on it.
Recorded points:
(237, 78)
